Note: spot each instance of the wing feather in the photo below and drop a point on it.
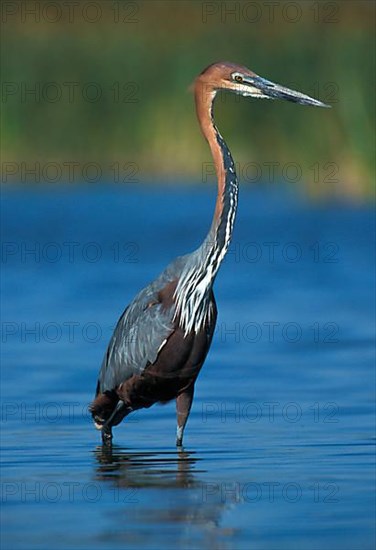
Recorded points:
(141, 332)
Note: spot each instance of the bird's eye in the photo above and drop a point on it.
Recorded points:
(238, 78)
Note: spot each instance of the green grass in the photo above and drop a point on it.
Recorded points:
(158, 56)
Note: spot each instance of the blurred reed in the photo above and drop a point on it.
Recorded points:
(123, 82)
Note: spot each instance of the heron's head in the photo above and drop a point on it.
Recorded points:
(242, 81)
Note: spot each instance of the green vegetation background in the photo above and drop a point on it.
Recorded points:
(155, 54)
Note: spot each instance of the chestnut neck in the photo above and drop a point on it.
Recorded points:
(220, 233)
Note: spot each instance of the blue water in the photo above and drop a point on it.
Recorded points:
(279, 447)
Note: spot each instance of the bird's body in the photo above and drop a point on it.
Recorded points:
(161, 341)
(150, 359)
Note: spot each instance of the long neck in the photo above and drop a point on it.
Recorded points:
(194, 285)
(218, 239)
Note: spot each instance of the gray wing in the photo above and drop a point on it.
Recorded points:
(140, 333)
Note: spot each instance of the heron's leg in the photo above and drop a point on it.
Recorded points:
(116, 417)
(107, 435)
(183, 408)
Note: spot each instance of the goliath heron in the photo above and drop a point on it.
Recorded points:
(161, 340)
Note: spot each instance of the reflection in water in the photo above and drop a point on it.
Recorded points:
(148, 469)
(167, 492)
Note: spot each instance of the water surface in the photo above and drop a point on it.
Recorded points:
(279, 446)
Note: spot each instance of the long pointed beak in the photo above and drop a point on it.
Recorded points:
(275, 91)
